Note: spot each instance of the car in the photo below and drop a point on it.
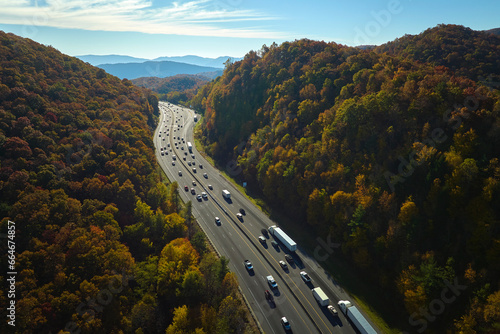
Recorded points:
(332, 310)
(205, 175)
(274, 243)
(194, 170)
(239, 216)
(186, 188)
(193, 191)
(262, 239)
(272, 283)
(180, 173)
(283, 265)
(289, 258)
(163, 139)
(189, 163)
(248, 265)
(201, 166)
(194, 183)
(163, 154)
(210, 187)
(173, 163)
(161, 148)
(182, 148)
(305, 276)
(184, 158)
(242, 211)
(264, 232)
(285, 323)
(198, 197)
(217, 221)
(204, 195)
(185, 153)
(269, 295)
(192, 156)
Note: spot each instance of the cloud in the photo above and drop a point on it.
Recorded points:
(215, 18)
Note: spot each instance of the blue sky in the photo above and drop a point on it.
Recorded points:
(211, 28)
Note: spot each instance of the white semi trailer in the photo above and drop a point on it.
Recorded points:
(351, 312)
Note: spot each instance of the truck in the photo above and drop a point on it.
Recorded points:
(353, 314)
(190, 147)
(320, 296)
(283, 237)
(226, 194)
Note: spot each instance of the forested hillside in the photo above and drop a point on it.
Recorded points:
(177, 89)
(102, 244)
(393, 152)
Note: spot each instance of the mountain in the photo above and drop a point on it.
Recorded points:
(466, 52)
(101, 240)
(193, 60)
(391, 152)
(110, 59)
(177, 89)
(200, 61)
(159, 69)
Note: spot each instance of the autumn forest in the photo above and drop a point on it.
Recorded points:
(103, 242)
(393, 151)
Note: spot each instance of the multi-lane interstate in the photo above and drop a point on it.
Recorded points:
(237, 239)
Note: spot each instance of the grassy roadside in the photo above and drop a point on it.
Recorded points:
(361, 291)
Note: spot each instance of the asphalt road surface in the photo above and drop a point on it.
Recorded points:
(238, 239)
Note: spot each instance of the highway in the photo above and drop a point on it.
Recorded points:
(237, 239)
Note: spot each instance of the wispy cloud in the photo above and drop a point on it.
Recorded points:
(216, 18)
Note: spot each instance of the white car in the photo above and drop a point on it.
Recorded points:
(332, 310)
(285, 323)
(305, 276)
(272, 283)
(217, 220)
(204, 195)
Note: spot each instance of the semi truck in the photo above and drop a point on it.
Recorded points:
(321, 296)
(283, 237)
(353, 314)
(226, 194)
(190, 147)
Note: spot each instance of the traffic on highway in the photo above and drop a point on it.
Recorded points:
(278, 280)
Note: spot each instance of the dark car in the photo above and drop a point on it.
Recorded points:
(289, 258)
(269, 296)
(242, 211)
(264, 232)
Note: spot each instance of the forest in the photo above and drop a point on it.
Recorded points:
(178, 89)
(103, 243)
(393, 151)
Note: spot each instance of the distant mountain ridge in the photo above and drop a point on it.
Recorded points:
(160, 69)
(97, 60)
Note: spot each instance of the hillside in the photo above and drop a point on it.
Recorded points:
(101, 240)
(392, 153)
(469, 53)
(177, 89)
(159, 69)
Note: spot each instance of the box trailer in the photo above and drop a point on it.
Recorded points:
(226, 194)
(358, 320)
(321, 296)
(283, 237)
